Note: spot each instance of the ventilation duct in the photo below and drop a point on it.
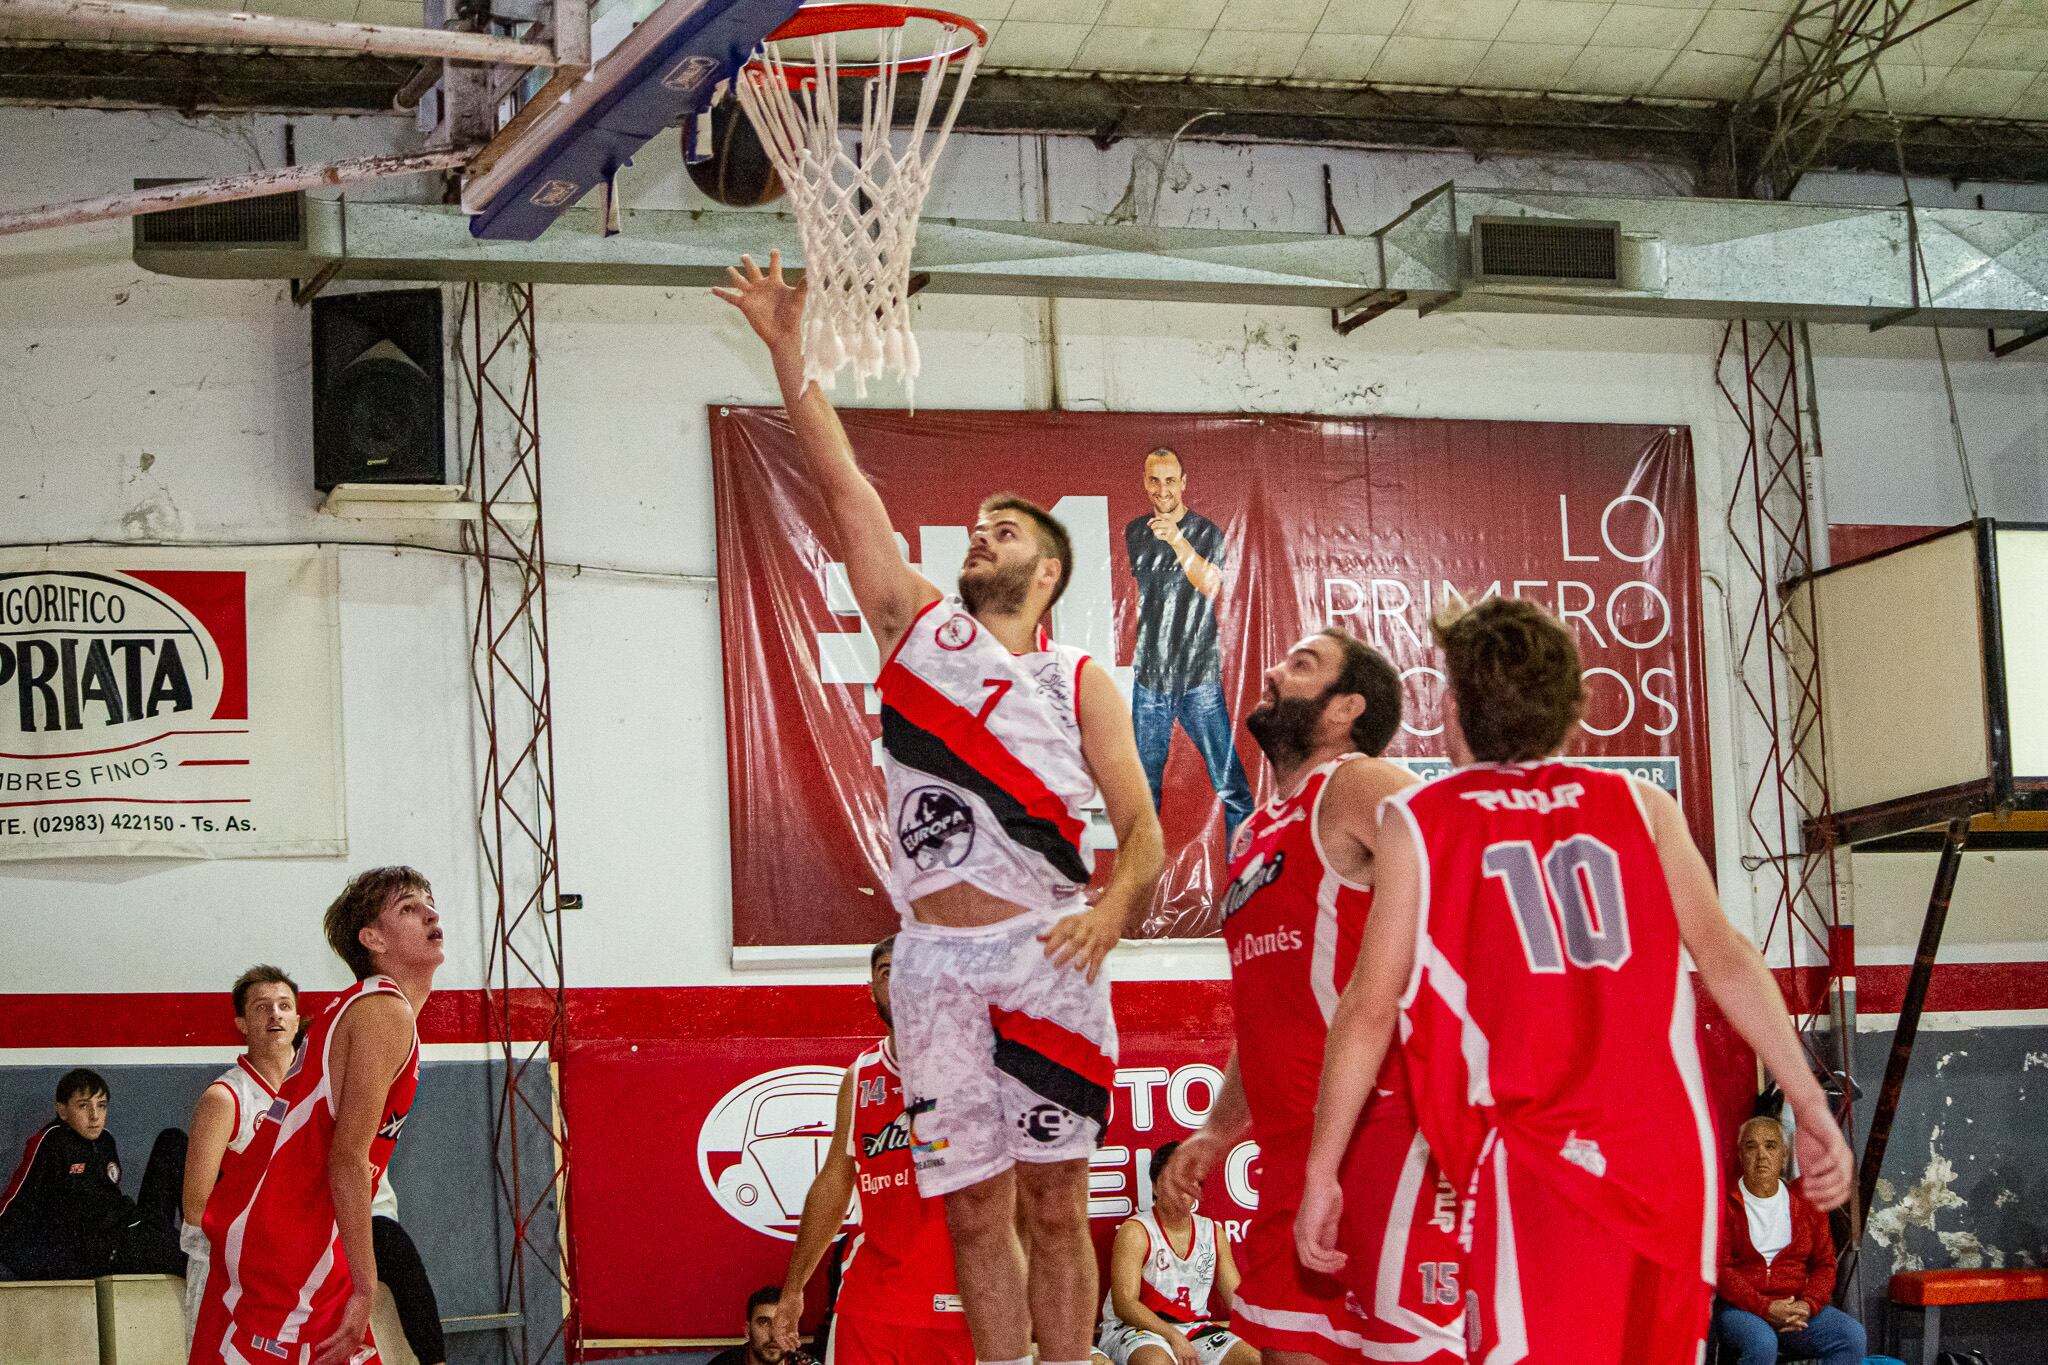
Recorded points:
(274, 221)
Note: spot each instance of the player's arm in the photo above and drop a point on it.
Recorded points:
(370, 1044)
(1361, 1031)
(825, 1210)
(1742, 985)
(1110, 745)
(1348, 822)
(1227, 1278)
(213, 1128)
(1126, 1274)
(888, 592)
(1230, 1118)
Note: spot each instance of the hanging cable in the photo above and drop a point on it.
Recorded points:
(1924, 288)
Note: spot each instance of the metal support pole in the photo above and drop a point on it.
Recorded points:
(254, 185)
(1909, 1012)
(123, 20)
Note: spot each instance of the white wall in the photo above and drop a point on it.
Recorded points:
(136, 406)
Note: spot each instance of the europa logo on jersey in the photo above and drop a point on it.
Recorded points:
(765, 1141)
(98, 662)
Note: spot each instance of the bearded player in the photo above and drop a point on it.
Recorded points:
(1526, 941)
(1300, 892)
(897, 1302)
(293, 1272)
(994, 740)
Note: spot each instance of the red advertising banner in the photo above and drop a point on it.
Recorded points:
(701, 1115)
(743, 1125)
(1205, 546)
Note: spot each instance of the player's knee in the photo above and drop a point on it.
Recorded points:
(1054, 1202)
(1149, 1355)
(982, 1211)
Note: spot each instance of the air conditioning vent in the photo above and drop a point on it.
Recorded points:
(275, 220)
(1546, 251)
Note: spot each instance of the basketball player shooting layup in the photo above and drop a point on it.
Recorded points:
(1299, 897)
(993, 741)
(294, 1275)
(1526, 939)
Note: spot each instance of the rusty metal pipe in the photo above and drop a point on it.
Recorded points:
(124, 20)
(254, 185)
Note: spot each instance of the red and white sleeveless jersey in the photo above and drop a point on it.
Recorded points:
(1293, 926)
(1174, 1286)
(981, 749)
(900, 1268)
(271, 1217)
(1549, 1001)
(252, 1095)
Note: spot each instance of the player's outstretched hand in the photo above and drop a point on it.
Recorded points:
(1315, 1225)
(1190, 1165)
(1082, 940)
(1825, 1166)
(773, 308)
(788, 1309)
(340, 1348)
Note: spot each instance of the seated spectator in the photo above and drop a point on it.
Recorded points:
(64, 1216)
(760, 1347)
(266, 1003)
(1171, 1277)
(1778, 1266)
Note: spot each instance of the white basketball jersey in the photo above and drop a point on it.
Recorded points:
(982, 754)
(252, 1095)
(1175, 1287)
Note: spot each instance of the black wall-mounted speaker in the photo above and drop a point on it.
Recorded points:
(378, 414)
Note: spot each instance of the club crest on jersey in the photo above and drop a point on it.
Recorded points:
(893, 1136)
(935, 827)
(1562, 797)
(956, 631)
(1052, 684)
(1260, 873)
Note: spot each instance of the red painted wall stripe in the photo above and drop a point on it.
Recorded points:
(596, 1014)
(632, 1014)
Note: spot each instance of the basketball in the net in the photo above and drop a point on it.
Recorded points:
(738, 172)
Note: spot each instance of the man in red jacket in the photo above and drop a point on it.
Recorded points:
(1778, 1265)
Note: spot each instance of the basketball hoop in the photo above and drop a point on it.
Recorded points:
(857, 210)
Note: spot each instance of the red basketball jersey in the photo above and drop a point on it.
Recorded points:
(1549, 1001)
(1293, 926)
(900, 1268)
(276, 1250)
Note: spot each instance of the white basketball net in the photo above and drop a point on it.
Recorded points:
(856, 217)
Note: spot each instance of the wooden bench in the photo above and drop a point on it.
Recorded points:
(50, 1322)
(1929, 1291)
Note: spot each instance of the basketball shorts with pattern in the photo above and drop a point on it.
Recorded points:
(1282, 1305)
(1212, 1341)
(1005, 1057)
(1549, 1285)
(1400, 1236)
(858, 1340)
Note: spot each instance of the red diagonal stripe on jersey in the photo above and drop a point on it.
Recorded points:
(28, 1160)
(1077, 1054)
(955, 726)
